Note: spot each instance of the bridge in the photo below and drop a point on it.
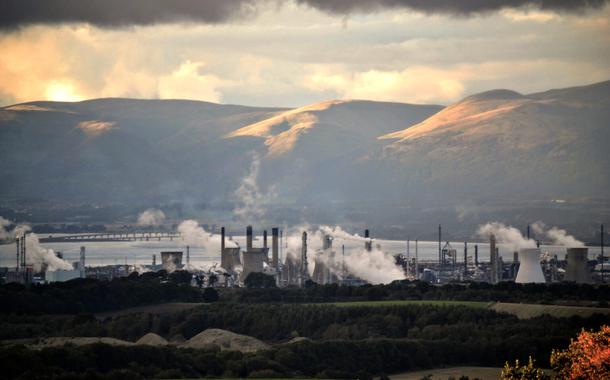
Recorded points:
(112, 237)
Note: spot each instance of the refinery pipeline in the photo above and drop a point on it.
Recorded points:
(323, 265)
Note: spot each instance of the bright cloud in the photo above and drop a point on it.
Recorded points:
(295, 55)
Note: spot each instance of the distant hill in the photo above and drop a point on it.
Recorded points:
(498, 146)
(551, 145)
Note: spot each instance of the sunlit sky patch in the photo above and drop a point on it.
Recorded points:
(292, 55)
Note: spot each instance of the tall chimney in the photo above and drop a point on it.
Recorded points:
(265, 239)
(154, 263)
(222, 240)
(439, 245)
(304, 270)
(465, 258)
(476, 255)
(17, 241)
(368, 244)
(528, 232)
(188, 255)
(81, 263)
(274, 247)
(603, 268)
(493, 262)
(249, 238)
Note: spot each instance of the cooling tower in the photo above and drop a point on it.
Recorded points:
(529, 267)
(576, 269)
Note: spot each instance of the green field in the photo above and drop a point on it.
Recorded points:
(476, 304)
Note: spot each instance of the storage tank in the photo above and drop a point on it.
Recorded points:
(530, 270)
(576, 269)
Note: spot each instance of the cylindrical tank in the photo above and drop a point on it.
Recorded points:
(529, 267)
(576, 269)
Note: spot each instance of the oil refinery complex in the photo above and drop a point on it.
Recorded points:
(291, 267)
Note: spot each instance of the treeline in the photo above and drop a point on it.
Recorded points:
(419, 290)
(92, 296)
(279, 323)
(328, 359)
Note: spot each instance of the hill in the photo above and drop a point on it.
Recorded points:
(489, 156)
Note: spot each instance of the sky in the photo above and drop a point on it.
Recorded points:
(293, 53)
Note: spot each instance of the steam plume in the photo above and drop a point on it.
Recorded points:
(251, 202)
(36, 255)
(375, 267)
(151, 217)
(557, 235)
(194, 235)
(506, 235)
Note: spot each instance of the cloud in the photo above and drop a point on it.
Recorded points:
(415, 84)
(119, 13)
(451, 7)
(151, 217)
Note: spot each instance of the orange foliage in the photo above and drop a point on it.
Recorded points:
(587, 357)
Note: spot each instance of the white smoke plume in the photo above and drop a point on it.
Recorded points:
(508, 235)
(36, 256)
(251, 202)
(4, 225)
(194, 235)
(151, 217)
(375, 267)
(557, 235)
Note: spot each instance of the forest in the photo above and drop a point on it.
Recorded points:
(354, 341)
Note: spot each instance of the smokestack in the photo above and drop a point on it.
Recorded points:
(515, 257)
(476, 255)
(23, 251)
(274, 247)
(188, 255)
(264, 238)
(81, 263)
(17, 242)
(439, 244)
(154, 263)
(493, 262)
(222, 240)
(416, 262)
(528, 232)
(249, 238)
(368, 243)
(304, 270)
(465, 258)
(602, 252)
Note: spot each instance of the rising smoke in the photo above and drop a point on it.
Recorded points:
(376, 266)
(508, 235)
(151, 217)
(37, 256)
(512, 236)
(196, 236)
(251, 202)
(557, 236)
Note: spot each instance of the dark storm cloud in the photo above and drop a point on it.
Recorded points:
(117, 13)
(455, 7)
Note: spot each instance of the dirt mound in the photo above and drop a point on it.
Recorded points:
(526, 311)
(226, 340)
(152, 339)
(298, 339)
(79, 341)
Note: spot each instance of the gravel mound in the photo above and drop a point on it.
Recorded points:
(152, 339)
(226, 340)
(79, 341)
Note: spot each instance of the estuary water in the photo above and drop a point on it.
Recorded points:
(141, 252)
